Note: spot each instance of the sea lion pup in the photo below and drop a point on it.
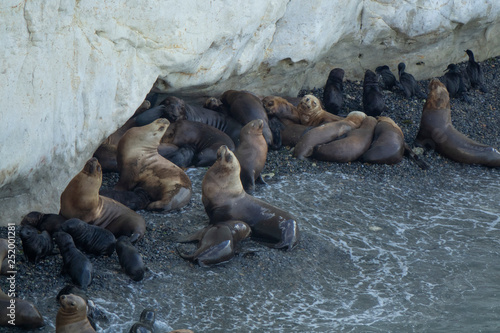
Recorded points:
(252, 154)
(72, 315)
(75, 263)
(81, 199)
(36, 246)
(326, 133)
(333, 92)
(140, 165)
(137, 199)
(280, 108)
(225, 199)
(373, 98)
(312, 114)
(176, 109)
(350, 148)
(145, 323)
(388, 143)
(408, 83)
(437, 131)
(475, 73)
(90, 238)
(130, 259)
(387, 80)
(44, 222)
(216, 243)
(203, 139)
(245, 107)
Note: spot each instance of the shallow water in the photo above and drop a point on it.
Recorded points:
(377, 255)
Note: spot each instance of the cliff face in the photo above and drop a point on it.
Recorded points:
(74, 71)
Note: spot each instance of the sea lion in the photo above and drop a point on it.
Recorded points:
(93, 313)
(72, 315)
(130, 259)
(44, 222)
(15, 311)
(140, 165)
(326, 133)
(216, 243)
(333, 92)
(475, 73)
(203, 139)
(281, 108)
(373, 98)
(388, 143)
(36, 246)
(387, 80)
(245, 107)
(150, 115)
(90, 238)
(81, 199)
(177, 109)
(137, 199)
(408, 83)
(312, 114)
(145, 323)
(225, 199)
(252, 154)
(350, 148)
(437, 131)
(75, 263)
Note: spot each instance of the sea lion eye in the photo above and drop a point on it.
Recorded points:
(314, 103)
(270, 103)
(161, 128)
(228, 158)
(73, 303)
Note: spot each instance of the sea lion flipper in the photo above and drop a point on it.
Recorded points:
(289, 235)
(194, 237)
(216, 254)
(414, 157)
(260, 180)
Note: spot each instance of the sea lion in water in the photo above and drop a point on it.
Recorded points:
(90, 238)
(141, 165)
(312, 114)
(81, 199)
(388, 143)
(130, 259)
(225, 199)
(373, 98)
(326, 133)
(216, 243)
(36, 246)
(350, 148)
(145, 323)
(334, 90)
(72, 315)
(252, 154)
(436, 131)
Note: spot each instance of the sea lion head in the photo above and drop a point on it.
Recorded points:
(370, 77)
(73, 225)
(32, 218)
(280, 107)
(309, 106)
(151, 134)
(438, 97)
(213, 103)
(28, 232)
(73, 304)
(356, 117)
(223, 176)
(175, 108)
(93, 169)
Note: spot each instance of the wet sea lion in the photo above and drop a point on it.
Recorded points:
(90, 238)
(81, 199)
(203, 139)
(475, 73)
(373, 98)
(350, 148)
(333, 92)
(72, 315)
(36, 245)
(326, 133)
(225, 199)
(75, 263)
(311, 112)
(216, 242)
(388, 143)
(437, 131)
(49, 222)
(245, 107)
(141, 165)
(145, 323)
(130, 259)
(387, 80)
(408, 83)
(252, 154)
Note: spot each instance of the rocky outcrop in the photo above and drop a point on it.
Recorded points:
(73, 71)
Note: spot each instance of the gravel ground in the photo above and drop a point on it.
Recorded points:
(479, 120)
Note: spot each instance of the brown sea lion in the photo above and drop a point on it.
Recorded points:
(333, 93)
(72, 315)
(388, 145)
(437, 131)
(216, 243)
(326, 133)
(252, 154)
(245, 107)
(81, 199)
(311, 112)
(349, 148)
(140, 165)
(225, 199)
(203, 139)
(281, 108)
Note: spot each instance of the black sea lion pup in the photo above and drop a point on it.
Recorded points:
(373, 98)
(225, 199)
(147, 117)
(44, 222)
(437, 131)
(252, 154)
(408, 83)
(475, 73)
(387, 80)
(333, 92)
(90, 238)
(216, 243)
(145, 323)
(130, 259)
(137, 199)
(72, 315)
(36, 246)
(75, 263)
